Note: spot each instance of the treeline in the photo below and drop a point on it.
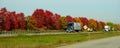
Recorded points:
(46, 20)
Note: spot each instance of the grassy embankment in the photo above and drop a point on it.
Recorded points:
(49, 41)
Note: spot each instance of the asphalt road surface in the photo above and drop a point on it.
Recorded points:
(111, 42)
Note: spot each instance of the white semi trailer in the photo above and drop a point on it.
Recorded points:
(73, 26)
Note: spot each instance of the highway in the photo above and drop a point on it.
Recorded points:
(111, 42)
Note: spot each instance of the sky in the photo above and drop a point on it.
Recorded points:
(101, 10)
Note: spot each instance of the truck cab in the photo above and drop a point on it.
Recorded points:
(106, 28)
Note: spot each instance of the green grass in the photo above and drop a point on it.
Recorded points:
(30, 31)
(49, 41)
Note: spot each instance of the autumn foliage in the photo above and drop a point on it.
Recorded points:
(93, 24)
(11, 20)
(45, 20)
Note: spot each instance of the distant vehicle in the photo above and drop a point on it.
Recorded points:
(90, 29)
(106, 28)
(73, 26)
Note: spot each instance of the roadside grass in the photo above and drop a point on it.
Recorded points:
(29, 31)
(49, 41)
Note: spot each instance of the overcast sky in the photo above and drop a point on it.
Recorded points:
(102, 10)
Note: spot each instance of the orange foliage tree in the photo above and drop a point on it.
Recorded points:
(93, 24)
(63, 23)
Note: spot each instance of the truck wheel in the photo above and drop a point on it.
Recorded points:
(76, 30)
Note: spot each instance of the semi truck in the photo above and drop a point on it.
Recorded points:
(73, 27)
(106, 28)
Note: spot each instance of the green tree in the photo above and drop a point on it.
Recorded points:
(111, 25)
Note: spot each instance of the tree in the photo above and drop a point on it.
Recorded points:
(102, 24)
(63, 22)
(31, 23)
(117, 27)
(92, 24)
(84, 22)
(96, 27)
(1, 22)
(48, 19)
(2, 17)
(69, 19)
(12, 20)
(8, 21)
(111, 25)
(21, 21)
(38, 16)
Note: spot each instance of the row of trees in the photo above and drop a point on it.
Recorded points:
(11, 20)
(46, 20)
